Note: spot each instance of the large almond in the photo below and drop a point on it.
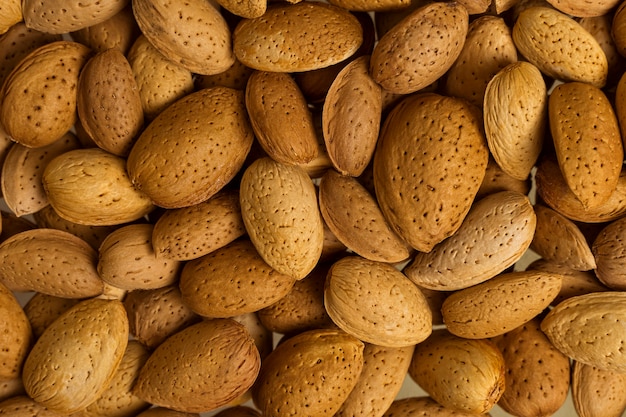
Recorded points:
(598, 392)
(59, 16)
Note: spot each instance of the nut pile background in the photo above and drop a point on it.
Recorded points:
(311, 208)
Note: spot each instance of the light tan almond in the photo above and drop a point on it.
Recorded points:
(497, 180)
(117, 32)
(580, 8)
(10, 14)
(426, 406)
(597, 392)
(506, 217)
(60, 371)
(43, 309)
(600, 28)
(514, 122)
(194, 34)
(608, 250)
(248, 9)
(281, 214)
(59, 16)
(91, 187)
(10, 388)
(17, 335)
(24, 406)
(234, 77)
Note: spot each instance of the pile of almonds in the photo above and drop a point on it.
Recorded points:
(242, 208)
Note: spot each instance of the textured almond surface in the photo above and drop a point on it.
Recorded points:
(430, 160)
(42, 309)
(608, 249)
(10, 14)
(506, 217)
(165, 412)
(59, 16)
(598, 392)
(271, 42)
(422, 406)
(60, 371)
(17, 335)
(497, 180)
(580, 8)
(117, 32)
(23, 406)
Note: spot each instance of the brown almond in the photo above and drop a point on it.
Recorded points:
(597, 392)
(430, 160)
(397, 313)
(117, 32)
(11, 225)
(585, 8)
(200, 368)
(50, 261)
(10, 14)
(362, 228)
(371, 5)
(280, 117)
(421, 48)
(558, 239)
(500, 304)
(60, 371)
(236, 77)
(281, 215)
(17, 335)
(38, 97)
(24, 406)
(537, 374)
(460, 374)
(194, 34)
(10, 388)
(608, 249)
(231, 281)
(497, 180)
(426, 406)
(58, 16)
(206, 136)
(309, 374)
(91, 187)
(43, 309)
(271, 42)
(618, 28)
(600, 28)
(506, 217)
(165, 412)
(248, 9)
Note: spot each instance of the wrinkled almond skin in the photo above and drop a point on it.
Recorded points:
(429, 163)
(500, 304)
(59, 16)
(225, 363)
(60, 371)
(17, 335)
(510, 221)
(50, 261)
(608, 249)
(582, 328)
(39, 95)
(281, 215)
(204, 152)
(460, 374)
(311, 373)
(597, 392)
(580, 8)
(421, 48)
(271, 42)
(193, 34)
(559, 46)
(10, 14)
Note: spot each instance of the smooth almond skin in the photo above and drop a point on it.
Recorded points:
(204, 151)
(424, 406)
(17, 335)
(200, 368)
(39, 95)
(397, 313)
(311, 373)
(460, 374)
(59, 16)
(193, 34)
(537, 374)
(587, 140)
(363, 228)
(231, 281)
(558, 239)
(421, 48)
(597, 392)
(280, 117)
(430, 160)
(515, 109)
(608, 250)
(351, 118)
(561, 48)
(272, 42)
(507, 217)
(109, 103)
(60, 372)
(281, 215)
(50, 261)
(191, 232)
(582, 328)
(91, 187)
(500, 304)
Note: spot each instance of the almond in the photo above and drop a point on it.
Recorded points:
(497, 180)
(117, 32)
(500, 304)
(17, 335)
(58, 16)
(618, 28)
(91, 187)
(12, 225)
(280, 117)
(192, 33)
(506, 217)
(561, 48)
(585, 9)
(60, 372)
(515, 122)
(311, 373)
(206, 137)
(238, 411)
(600, 28)
(50, 261)
(429, 163)
(371, 5)
(165, 412)
(24, 406)
(43, 309)
(236, 77)
(407, 407)
(608, 250)
(200, 368)
(421, 48)
(281, 214)
(10, 14)
(231, 281)
(460, 374)
(248, 9)
(38, 97)
(585, 330)
(10, 388)
(272, 42)
(597, 392)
